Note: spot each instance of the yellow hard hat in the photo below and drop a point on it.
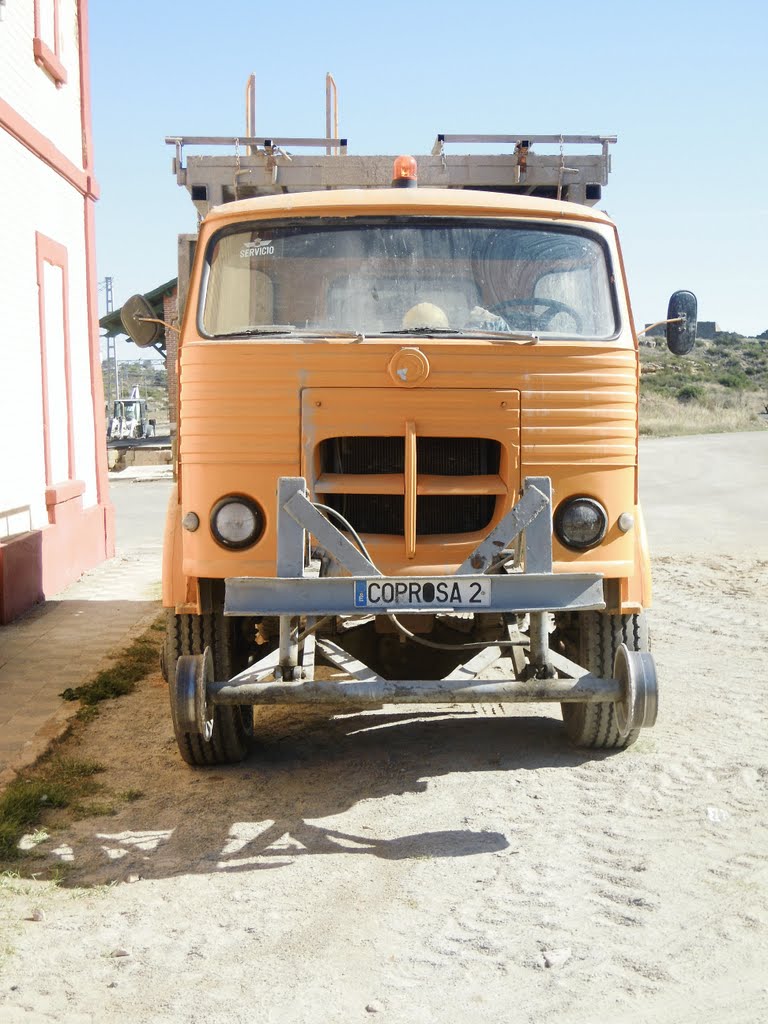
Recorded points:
(425, 314)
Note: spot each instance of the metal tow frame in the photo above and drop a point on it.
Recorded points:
(287, 674)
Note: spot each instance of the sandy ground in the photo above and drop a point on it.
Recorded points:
(453, 864)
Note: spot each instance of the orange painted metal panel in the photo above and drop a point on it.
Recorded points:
(254, 410)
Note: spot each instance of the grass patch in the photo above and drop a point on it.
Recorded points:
(66, 782)
(21, 807)
(86, 713)
(55, 782)
(95, 809)
(131, 666)
(130, 796)
(714, 413)
(70, 769)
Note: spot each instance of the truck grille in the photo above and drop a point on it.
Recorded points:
(457, 483)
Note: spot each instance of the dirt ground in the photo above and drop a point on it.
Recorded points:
(444, 864)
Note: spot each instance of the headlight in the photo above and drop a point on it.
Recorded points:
(236, 522)
(580, 523)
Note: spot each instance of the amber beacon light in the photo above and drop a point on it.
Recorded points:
(405, 172)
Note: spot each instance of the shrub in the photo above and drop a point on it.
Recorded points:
(727, 338)
(733, 380)
(690, 393)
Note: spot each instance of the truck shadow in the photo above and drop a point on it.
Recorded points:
(274, 808)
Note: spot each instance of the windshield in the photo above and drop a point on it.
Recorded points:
(409, 275)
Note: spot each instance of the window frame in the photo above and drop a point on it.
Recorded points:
(55, 254)
(45, 57)
(523, 223)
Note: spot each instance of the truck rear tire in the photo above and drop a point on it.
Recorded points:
(599, 637)
(232, 735)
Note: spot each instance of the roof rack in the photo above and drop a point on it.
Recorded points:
(269, 165)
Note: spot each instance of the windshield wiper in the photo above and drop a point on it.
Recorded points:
(321, 332)
(511, 337)
(505, 337)
(295, 332)
(424, 330)
(529, 337)
(259, 329)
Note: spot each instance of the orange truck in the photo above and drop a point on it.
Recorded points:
(407, 453)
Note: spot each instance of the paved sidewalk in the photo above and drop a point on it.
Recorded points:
(64, 642)
(142, 474)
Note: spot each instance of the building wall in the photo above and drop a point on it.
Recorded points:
(707, 329)
(704, 329)
(32, 91)
(55, 516)
(171, 316)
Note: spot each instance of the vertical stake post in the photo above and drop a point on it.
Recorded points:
(290, 563)
(538, 558)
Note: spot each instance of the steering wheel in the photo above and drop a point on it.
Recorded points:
(536, 321)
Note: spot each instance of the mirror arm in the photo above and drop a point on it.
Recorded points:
(660, 323)
(154, 320)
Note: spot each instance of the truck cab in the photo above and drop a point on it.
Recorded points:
(408, 423)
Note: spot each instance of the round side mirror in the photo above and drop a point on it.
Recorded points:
(133, 316)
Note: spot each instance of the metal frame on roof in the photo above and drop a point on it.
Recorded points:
(266, 166)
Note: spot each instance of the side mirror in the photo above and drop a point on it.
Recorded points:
(681, 336)
(134, 315)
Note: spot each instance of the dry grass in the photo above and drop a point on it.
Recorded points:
(56, 781)
(719, 411)
(130, 666)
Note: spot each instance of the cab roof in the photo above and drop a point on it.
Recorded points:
(404, 201)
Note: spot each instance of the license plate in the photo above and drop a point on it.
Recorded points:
(406, 592)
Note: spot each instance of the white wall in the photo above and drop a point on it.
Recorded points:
(29, 89)
(35, 198)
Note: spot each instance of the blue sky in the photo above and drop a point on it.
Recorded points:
(684, 85)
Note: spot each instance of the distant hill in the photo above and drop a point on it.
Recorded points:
(729, 361)
(721, 385)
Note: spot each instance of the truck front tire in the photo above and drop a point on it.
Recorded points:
(232, 735)
(599, 636)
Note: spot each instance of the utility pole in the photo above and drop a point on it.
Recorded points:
(113, 382)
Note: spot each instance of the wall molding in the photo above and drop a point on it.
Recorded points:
(49, 59)
(44, 150)
(56, 255)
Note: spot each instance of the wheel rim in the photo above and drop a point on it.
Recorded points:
(184, 689)
(193, 673)
(638, 706)
(204, 675)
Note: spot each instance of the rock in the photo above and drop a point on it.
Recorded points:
(717, 816)
(556, 957)
(374, 1007)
